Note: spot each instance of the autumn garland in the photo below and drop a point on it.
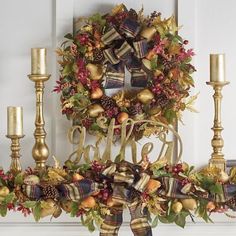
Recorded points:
(95, 58)
(92, 192)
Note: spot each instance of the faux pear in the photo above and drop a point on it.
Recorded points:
(96, 71)
(189, 204)
(77, 177)
(145, 96)
(152, 186)
(88, 202)
(97, 93)
(95, 110)
(122, 117)
(148, 33)
(177, 207)
(66, 206)
(4, 191)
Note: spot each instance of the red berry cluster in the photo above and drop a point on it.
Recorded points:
(97, 167)
(176, 169)
(25, 211)
(80, 212)
(6, 176)
(104, 194)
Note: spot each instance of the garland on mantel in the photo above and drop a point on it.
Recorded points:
(95, 58)
(98, 192)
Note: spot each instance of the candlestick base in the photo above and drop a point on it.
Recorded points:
(15, 166)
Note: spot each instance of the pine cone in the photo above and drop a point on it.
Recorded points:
(107, 102)
(50, 192)
(98, 55)
(135, 109)
(231, 203)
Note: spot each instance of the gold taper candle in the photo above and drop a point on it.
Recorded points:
(38, 61)
(217, 67)
(14, 121)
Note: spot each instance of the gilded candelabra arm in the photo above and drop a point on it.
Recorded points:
(40, 151)
(217, 142)
(15, 166)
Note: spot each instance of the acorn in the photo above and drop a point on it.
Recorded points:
(88, 202)
(147, 64)
(66, 206)
(77, 177)
(223, 177)
(177, 207)
(31, 180)
(152, 186)
(96, 71)
(122, 116)
(4, 191)
(148, 33)
(189, 204)
(210, 206)
(96, 94)
(95, 110)
(145, 96)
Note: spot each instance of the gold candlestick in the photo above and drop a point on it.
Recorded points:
(40, 151)
(15, 166)
(217, 81)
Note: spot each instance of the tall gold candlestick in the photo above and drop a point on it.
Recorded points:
(38, 75)
(217, 81)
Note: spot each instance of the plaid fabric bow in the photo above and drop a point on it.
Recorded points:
(122, 52)
(128, 184)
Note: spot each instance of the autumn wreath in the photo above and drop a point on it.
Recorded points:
(97, 56)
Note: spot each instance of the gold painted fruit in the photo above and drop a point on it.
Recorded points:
(95, 110)
(152, 186)
(224, 177)
(189, 204)
(210, 206)
(77, 177)
(122, 117)
(88, 202)
(145, 96)
(66, 206)
(177, 207)
(96, 71)
(4, 191)
(97, 93)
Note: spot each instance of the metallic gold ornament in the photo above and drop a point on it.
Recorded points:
(122, 117)
(97, 93)
(96, 71)
(145, 96)
(177, 207)
(95, 110)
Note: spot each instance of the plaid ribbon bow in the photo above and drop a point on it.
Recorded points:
(122, 52)
(128, 184)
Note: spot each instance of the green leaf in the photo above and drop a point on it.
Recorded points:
(9, 198)
(171, 217)
(216, 189)
(155, 222)
(19, 180)
(154, 63)
(68, 36)
(180, 220)
(67, 69)
(29, 204)
(3, 210)
(170, 115)
(37, 211)
(97, 18)
(91, 226)
(161, 173)
(163, 219)
(74, 209)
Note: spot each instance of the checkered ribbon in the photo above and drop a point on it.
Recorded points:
(121, 53)
(129, 182)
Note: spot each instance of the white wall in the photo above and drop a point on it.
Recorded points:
(208, 24)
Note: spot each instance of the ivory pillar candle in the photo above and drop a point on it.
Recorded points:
(14, 121)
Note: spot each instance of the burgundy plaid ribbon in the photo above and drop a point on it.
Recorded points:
(121, 53)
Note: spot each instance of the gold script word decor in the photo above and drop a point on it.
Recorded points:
(94, 60)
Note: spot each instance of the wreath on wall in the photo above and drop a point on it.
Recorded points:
(104, 50)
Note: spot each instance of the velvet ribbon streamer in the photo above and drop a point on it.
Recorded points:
(124, 51)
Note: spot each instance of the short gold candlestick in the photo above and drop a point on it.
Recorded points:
(217, 142)
(15, 166)
(40, 151)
